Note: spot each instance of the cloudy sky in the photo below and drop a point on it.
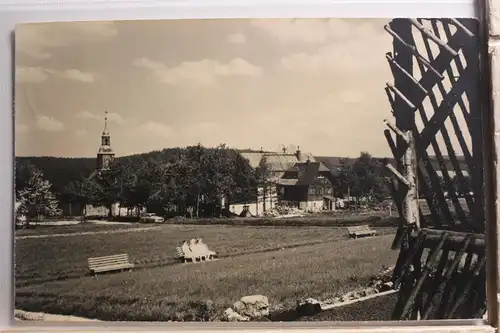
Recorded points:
(247, 83)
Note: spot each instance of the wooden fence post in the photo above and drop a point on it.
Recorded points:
(412, 215)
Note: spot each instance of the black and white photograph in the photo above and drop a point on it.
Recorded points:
(243, 170)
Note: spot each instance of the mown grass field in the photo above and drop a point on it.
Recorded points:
(84, 227)
(283, 263)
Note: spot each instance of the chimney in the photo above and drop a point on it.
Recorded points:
(298, 154)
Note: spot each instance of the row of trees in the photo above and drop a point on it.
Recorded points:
(366, 177)
(361, 178)
(194, 177)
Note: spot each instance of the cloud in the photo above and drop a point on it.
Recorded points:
(115, 117)
(112, 116)
(153, 129)
(94, 30)
(316, 31)
(205, 72)
(30, 74)
(85, 115)
(22, 128)
(344, 56)
(49, 124)
(344, 98)
(203, 128)
(40, 74)
(81, 132)
(76, 75)
(295, 30)
(236, 38)
(36, 39)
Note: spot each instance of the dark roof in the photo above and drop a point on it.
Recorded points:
(308, 172)
(302, 174)
(333, 162)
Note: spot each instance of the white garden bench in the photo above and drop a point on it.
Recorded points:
(119, 262)
(195, 252)
(361, 230)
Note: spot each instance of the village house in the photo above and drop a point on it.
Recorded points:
(296, 180)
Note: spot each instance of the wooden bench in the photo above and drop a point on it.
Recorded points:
(118, 262)
(361, 230)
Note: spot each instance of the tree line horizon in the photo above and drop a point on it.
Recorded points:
(194, 176)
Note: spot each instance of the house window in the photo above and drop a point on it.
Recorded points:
(312, 190)
(320, 190)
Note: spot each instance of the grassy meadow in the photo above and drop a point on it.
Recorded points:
(283, 263)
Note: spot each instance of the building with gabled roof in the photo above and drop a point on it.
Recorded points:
(297, 179)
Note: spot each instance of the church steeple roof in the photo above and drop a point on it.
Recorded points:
(105, 131)
(105, 155)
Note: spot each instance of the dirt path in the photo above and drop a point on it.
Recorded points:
(82, 233)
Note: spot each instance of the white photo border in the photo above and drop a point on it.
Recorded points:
(14, 12)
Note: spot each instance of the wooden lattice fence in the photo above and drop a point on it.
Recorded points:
(436, 140)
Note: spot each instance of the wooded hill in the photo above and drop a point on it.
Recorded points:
(60, 171)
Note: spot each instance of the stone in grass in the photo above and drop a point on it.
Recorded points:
(308, 307)
(370, 291)
(338, 299)
(386, 286)
(254, 306)
(231, 315)
(350, 296)
(357, 294)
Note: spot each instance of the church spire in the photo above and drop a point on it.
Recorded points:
(105, 155)
(105, 130)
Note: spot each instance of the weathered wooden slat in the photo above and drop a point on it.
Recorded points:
(394, 64)
(475, 125)
(401, 95)
(429, 34)
(422, 153)
(443, 279)
(417, 55)
(444, 109)
(464, 294)
(443, 167)
(459, 25)
(470, 52)
(412, 251)
(435, 188)
(431, 262)
(396, 130)
(416, 248)
(436, 147)
(455, 240)
(396, 173)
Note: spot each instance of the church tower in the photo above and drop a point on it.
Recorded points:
(105, 155)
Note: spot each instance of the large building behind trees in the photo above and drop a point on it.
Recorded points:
(293, 179)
